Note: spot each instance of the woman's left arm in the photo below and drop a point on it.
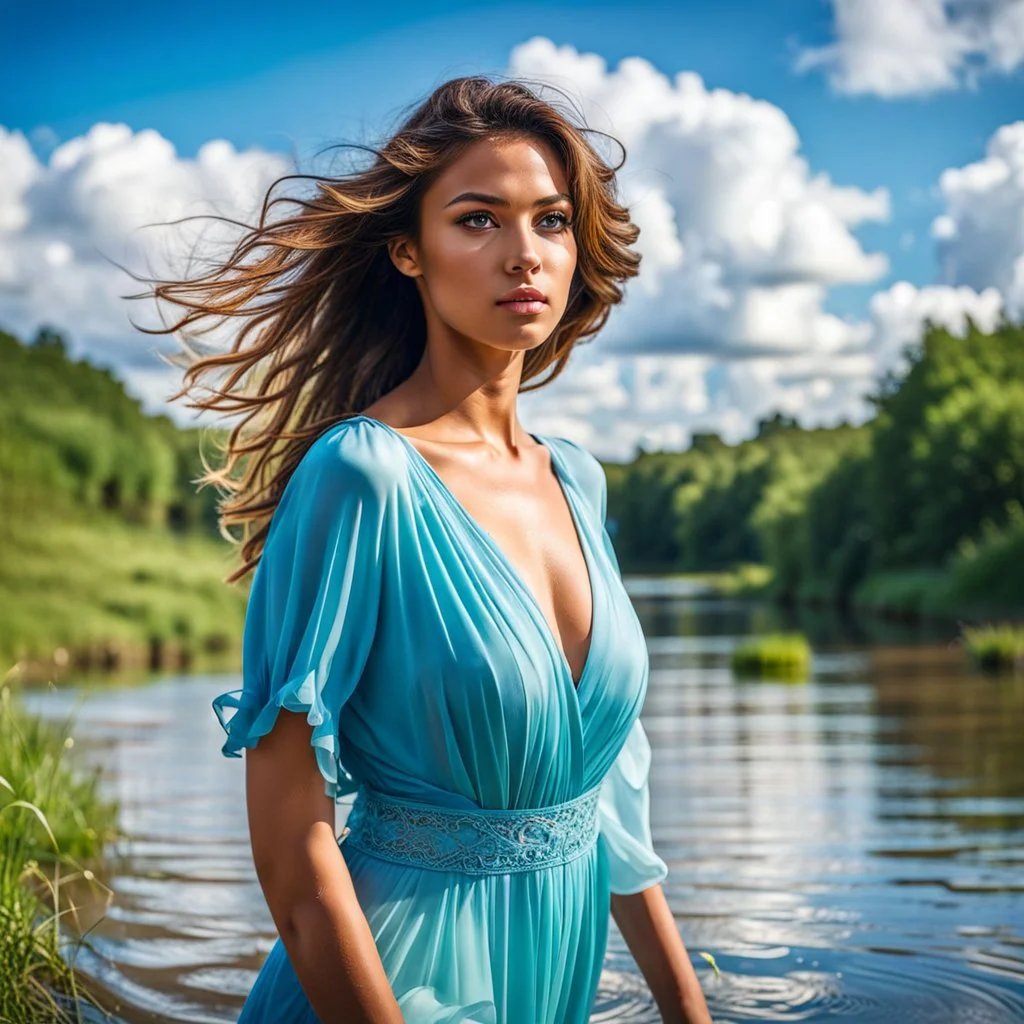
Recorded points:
(645, 920)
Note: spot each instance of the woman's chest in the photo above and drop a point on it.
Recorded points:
(462, 648)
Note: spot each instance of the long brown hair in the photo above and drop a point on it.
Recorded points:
(329, 324)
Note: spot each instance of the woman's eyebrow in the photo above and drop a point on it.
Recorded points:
(482, 197)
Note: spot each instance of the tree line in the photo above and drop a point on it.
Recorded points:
(929, 489)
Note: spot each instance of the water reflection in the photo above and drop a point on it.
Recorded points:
(851, 847)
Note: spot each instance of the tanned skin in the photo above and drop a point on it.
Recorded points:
(459, 409)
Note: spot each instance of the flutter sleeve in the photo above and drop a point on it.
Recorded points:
(312, 608)
(624, 801)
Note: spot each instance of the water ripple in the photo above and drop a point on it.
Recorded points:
(848, 849)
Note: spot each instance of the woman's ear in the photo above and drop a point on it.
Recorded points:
(403, 254)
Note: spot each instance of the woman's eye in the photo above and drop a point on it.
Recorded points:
(473, 219)
(561, 218)
(481, 218)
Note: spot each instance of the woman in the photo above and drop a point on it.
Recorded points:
(436, 598)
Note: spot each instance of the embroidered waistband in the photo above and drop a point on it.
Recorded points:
(474, 841)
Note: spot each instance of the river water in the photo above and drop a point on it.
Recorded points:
(851, 847)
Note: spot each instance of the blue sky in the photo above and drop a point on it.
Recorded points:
(296, 78)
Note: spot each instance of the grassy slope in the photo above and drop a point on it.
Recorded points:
(107, 549)
(97, 583)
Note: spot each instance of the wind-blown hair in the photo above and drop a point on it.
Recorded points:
(329, 324)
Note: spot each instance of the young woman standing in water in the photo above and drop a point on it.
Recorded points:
(436, 598)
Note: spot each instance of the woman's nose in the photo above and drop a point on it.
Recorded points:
(524, 255)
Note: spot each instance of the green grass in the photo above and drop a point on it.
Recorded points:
(996, 646)
(782, 656)
(53, 829)
(98, 585)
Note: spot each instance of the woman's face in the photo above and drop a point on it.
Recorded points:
(498, 218)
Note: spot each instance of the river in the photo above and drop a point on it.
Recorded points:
(850, 847)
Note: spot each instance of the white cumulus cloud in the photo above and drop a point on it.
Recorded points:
(980, 235)
(740, 239)
(66, 223)
(894, 48)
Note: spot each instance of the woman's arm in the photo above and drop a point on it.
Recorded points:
(307, 884)
(645, 920)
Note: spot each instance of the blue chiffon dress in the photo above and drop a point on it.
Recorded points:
(382, 611)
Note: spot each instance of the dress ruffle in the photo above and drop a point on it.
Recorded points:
(253, 719)
(312, 608)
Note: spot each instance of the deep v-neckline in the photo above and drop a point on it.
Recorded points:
(566, 487)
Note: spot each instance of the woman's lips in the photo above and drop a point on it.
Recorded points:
(529, 306)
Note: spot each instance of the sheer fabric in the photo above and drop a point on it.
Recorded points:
(386, 615)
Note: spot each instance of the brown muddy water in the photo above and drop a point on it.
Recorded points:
(849, 848)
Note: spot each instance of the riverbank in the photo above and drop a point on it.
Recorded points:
(54, 828)
(158, 604)
(910, 596)
(96, 593)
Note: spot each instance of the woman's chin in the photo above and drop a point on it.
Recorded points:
(523, 336)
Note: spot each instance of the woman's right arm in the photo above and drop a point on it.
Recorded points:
(310, 623)
(306, 881)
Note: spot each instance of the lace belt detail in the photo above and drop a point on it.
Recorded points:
(476, 841)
